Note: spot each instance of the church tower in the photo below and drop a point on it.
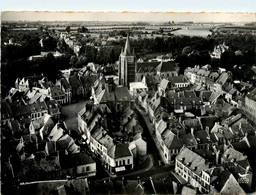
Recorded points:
(127, 65)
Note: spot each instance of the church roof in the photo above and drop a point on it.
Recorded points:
(166, 66)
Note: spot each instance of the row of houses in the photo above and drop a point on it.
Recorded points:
(46, 153)
(111, 128)
(233, 175)
(74, 85)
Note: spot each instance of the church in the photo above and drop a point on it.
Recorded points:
(127, 65)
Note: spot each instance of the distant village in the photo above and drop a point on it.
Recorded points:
(142, 127)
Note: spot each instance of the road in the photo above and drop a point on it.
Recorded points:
(69, 114)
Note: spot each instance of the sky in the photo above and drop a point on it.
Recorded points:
(141, 6)
(131, 5)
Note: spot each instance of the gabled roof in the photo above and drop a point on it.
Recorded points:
(164, 83)
(166, 66)
(192, 160)
(171, 140)
(178, 79)
(65, 83)
(232, 154)
(147, 66)
(74, 82)
(202, 137)
(188, 139)
(6, 111)
(223, 78)
(208, 121)
(122, 94)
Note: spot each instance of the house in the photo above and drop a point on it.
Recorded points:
(190, 166)
(141, 145)
(34, 111)
(122, 156)
(168, 140)
(55, 133)
(138, 87)
(53, 108)
(217, 180)
(223, 80)
(178, 82)
(57, 94)
(77, 89)
(250, 105)
(81, 163)
(29, 82)
(66, 88)
(201, 175)
(6, 112)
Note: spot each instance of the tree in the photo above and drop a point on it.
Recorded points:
(68, 29)
(49, 44)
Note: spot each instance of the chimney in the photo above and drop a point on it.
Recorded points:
(192, 131)
(207, 129)
(122, 182)
(217, 154)
(247, 169)
(138, 180)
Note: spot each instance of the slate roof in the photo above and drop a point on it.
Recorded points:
(119, 150)
(122, 94)
(171, 140)
(252, 95)
(164, 83)
(65, 83)
(56, 91)
(74, 160)
(223, 78)
(6, 111)
(192, 160)
(208, 121)
(166, 66)
(202, 137)
(147, 66)
(231, 153)
(178, 79)
(74, 82)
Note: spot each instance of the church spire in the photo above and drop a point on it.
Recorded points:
(127, 48)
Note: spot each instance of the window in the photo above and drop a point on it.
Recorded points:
(123, 162)
(88, 168)
(128, 161)
(116, 163)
